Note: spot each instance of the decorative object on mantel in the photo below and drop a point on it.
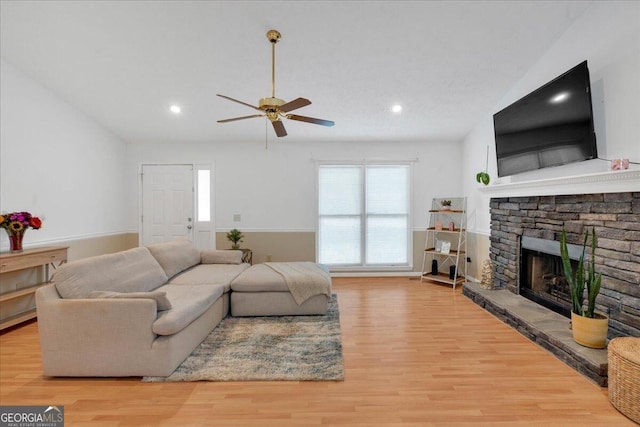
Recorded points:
(483, 177)
(16, 223)
(589, 328)
(235, 237)
(446, 204)
(488, 276)
(619, 164)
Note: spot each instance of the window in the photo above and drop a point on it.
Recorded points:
(204, 195)
(364, 215)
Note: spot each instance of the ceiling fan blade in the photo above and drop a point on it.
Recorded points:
(278, 126)
(240, 118)
(239, 102)
(294, 105)
(310, 120)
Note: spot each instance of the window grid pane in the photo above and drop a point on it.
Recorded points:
(339, 240)
(387, 239)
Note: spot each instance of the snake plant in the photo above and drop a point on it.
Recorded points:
(577, 280)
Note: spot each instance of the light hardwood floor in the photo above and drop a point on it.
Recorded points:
(416, 354)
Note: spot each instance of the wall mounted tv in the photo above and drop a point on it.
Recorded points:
(551, 126)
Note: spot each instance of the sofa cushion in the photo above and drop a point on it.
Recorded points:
(209, 274)
(175, 256)
(133, 270)
(259, 278)
(161, 299)
(188, 303)
(218, 256)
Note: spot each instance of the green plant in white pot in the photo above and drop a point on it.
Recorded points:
(589, 328)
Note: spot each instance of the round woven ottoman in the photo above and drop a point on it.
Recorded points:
(624, 376)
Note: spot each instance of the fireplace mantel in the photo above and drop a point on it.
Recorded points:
(601, 182)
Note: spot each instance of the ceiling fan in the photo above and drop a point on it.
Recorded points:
(275, 108)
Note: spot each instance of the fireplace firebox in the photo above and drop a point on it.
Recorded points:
(542, 278)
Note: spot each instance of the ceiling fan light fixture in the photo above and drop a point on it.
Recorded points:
(269, 103)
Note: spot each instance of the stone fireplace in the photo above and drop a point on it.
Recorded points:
(525, 235)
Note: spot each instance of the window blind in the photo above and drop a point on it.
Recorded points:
(364, 215)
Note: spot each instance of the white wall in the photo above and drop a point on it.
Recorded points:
(608, 37)
(274, 189)
(57, 164)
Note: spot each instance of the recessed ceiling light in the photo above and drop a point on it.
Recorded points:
(561, 97)
(397, 108)
(175, 109)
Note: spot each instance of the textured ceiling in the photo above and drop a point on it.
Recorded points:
(124, 62)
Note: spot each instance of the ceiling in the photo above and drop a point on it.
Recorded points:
(123, 63)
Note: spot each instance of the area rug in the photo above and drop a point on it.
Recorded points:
(291, 348)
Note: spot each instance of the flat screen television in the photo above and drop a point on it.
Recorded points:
(551, 126)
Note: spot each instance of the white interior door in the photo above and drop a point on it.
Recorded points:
(167, 203)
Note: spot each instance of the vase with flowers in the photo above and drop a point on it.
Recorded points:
(16, 223)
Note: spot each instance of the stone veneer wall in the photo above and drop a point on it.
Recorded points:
(616, 218)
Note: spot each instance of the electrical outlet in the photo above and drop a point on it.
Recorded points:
(236, 218)
(268, 258)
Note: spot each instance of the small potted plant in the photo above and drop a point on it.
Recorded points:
(589, 328)
(446, 204)
(235, 237)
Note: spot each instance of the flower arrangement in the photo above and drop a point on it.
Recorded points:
(16, 223)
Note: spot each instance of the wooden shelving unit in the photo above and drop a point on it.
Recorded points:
(45, 257)
(438, 232)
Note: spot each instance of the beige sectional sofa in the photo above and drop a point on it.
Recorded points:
(139, 312)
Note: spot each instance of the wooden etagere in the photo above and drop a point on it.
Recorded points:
(45, 257)
(446, 242)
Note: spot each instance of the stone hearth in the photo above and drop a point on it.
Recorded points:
(548, 329)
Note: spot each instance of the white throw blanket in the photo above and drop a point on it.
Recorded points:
(304, 279)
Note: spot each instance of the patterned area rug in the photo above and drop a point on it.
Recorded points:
(292, 348)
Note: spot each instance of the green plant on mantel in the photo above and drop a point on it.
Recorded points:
(577, 280)
(483, 177)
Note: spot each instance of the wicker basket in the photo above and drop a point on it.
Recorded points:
(624, 376)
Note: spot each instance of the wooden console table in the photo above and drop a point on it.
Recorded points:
(51, 256)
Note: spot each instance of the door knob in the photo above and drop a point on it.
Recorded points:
(189, 227)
